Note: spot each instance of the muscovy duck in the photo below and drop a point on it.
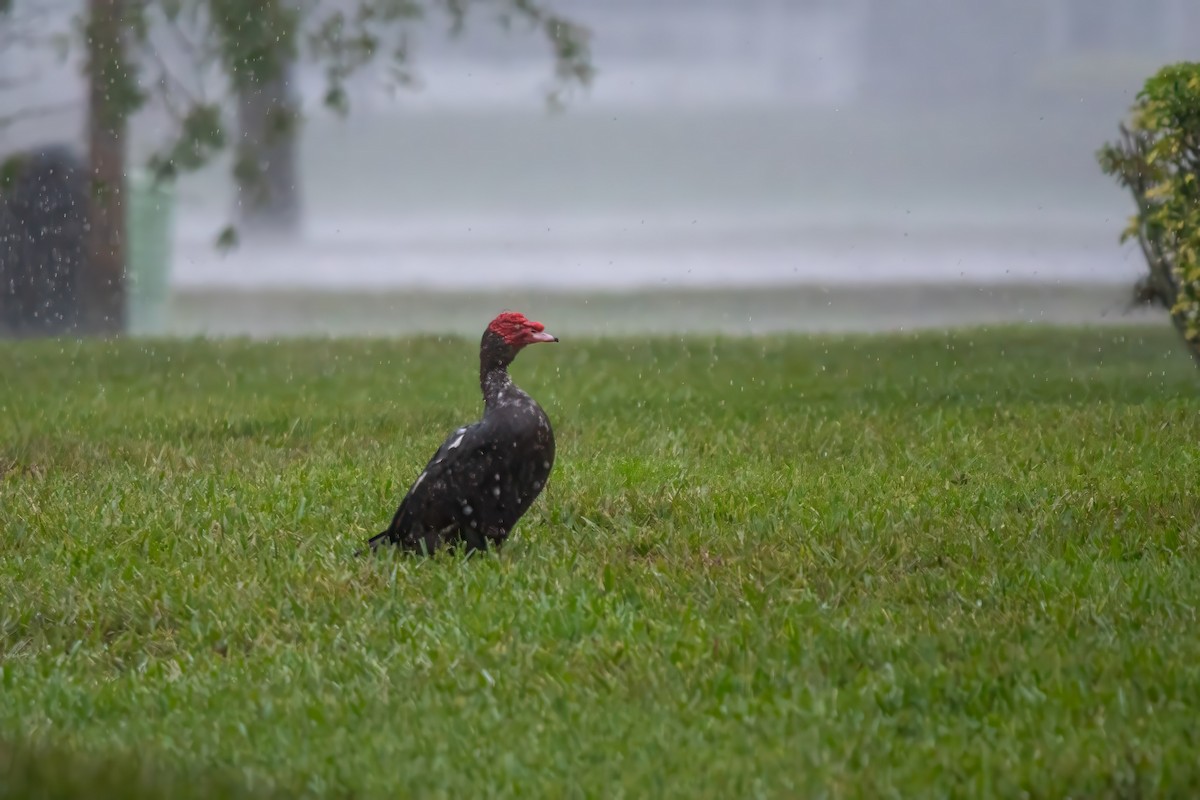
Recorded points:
(485, 475)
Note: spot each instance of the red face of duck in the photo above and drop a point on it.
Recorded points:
(517, 331)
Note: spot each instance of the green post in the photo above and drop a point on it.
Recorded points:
(148, 227)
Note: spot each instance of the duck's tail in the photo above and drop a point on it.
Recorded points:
(374, 542)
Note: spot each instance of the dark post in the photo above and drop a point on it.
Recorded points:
(42, 244)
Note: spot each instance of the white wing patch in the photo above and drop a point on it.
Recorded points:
(461, 433)
(420, 478)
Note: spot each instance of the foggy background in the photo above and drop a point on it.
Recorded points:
(736, 164)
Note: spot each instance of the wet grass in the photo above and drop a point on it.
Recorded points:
(952, 564)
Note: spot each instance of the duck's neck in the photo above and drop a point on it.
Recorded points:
(494, 357)
(495, 382)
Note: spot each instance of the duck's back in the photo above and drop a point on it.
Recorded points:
(480, 481)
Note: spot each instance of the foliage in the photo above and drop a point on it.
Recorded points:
(250, 42)
(111, 69)
(950, 565)
(1158, 159)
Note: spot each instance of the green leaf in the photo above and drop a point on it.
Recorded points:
(337, 100)
(10, 169)
(227, 239)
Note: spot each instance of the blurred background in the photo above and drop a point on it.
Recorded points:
(735, 165)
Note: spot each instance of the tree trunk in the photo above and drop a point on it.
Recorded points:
(102, 295)
(268, 193)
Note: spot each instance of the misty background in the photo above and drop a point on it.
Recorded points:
(737, 164)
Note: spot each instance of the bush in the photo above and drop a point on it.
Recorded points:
(1158, 159)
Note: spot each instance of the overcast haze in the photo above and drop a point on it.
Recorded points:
(724, 143)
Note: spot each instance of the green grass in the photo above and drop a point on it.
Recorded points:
(953, 564)
(59, 774)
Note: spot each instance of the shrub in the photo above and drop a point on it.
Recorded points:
(1157, 157)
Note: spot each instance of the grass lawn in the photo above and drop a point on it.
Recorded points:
(952, 564)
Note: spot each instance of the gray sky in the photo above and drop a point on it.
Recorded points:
(724, 142)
